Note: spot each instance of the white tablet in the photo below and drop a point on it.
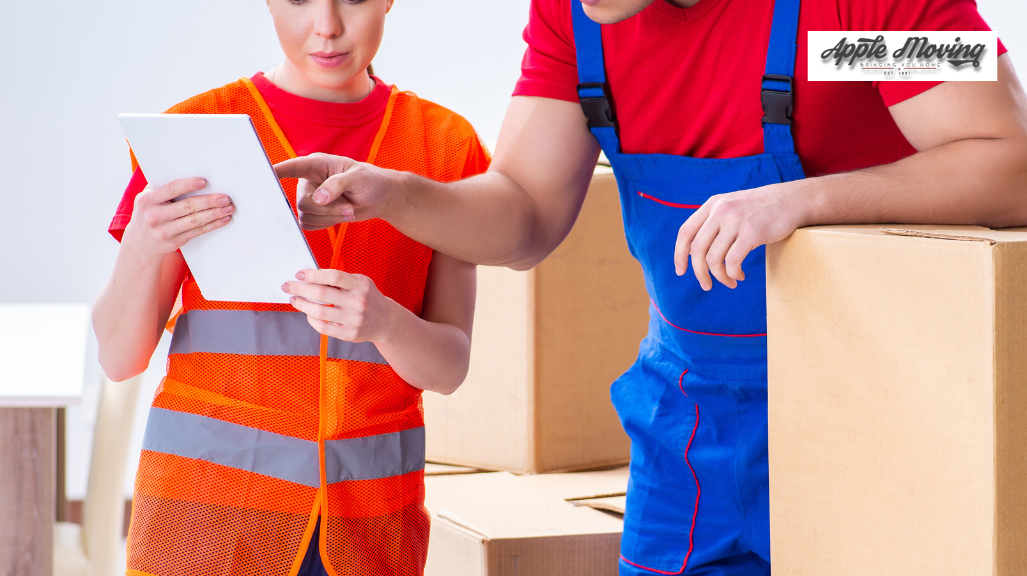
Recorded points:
(263, 246)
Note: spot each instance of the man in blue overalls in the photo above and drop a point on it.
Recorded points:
(695, 402)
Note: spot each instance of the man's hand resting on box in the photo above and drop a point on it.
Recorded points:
(719, 235)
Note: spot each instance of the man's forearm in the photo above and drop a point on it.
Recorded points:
(519, 211)
(977, 181)
(488, 219)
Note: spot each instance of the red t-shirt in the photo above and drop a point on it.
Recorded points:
(686, 81)
(310, 126)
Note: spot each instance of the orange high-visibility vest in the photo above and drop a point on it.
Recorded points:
(262, 425)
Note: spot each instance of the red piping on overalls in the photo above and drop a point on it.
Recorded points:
(698, 491)
(651, 301)
(671, 204)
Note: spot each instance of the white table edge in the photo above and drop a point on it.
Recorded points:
(39, 401)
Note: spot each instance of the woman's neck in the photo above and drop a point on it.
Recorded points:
(289, 78)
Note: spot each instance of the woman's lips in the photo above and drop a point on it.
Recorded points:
(329, 59)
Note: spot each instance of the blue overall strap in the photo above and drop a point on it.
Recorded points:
(777, 94)
(593, 91)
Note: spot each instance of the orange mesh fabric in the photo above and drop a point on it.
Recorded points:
(364, 399)
(199, 518)
(192, 517)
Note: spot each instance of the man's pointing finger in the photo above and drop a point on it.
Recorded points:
(302, 167)
(316, 167)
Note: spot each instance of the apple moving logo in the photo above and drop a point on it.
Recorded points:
(916, 48)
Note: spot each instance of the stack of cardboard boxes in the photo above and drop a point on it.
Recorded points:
(897, 405)
(547, 345)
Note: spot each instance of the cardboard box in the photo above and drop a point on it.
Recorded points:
(547, 344)
(436, 469)
(898, 401)
(498, 524)
(602, 490)
(581, 486)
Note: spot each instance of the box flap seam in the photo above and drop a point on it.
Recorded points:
(936, 235)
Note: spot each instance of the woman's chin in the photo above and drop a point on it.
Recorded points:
(342, 82)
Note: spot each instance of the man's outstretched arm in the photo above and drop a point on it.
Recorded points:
(513, 215)
(971, 168)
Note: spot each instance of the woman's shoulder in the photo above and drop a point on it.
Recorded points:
(442, 129)
(231, 98)
(437, 119)
(447, 135)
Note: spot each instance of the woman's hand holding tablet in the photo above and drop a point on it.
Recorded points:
(263, 246)
(163, 226)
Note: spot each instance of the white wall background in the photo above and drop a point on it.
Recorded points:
(68, 68)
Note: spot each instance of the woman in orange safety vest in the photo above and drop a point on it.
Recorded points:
(289, 439)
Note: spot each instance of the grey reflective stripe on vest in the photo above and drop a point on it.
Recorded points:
(261, 333)
(373, 457)
(232, 445)
(283, 457)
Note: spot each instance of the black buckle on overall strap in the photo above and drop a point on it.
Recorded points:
(777, 105)
(597, 109)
